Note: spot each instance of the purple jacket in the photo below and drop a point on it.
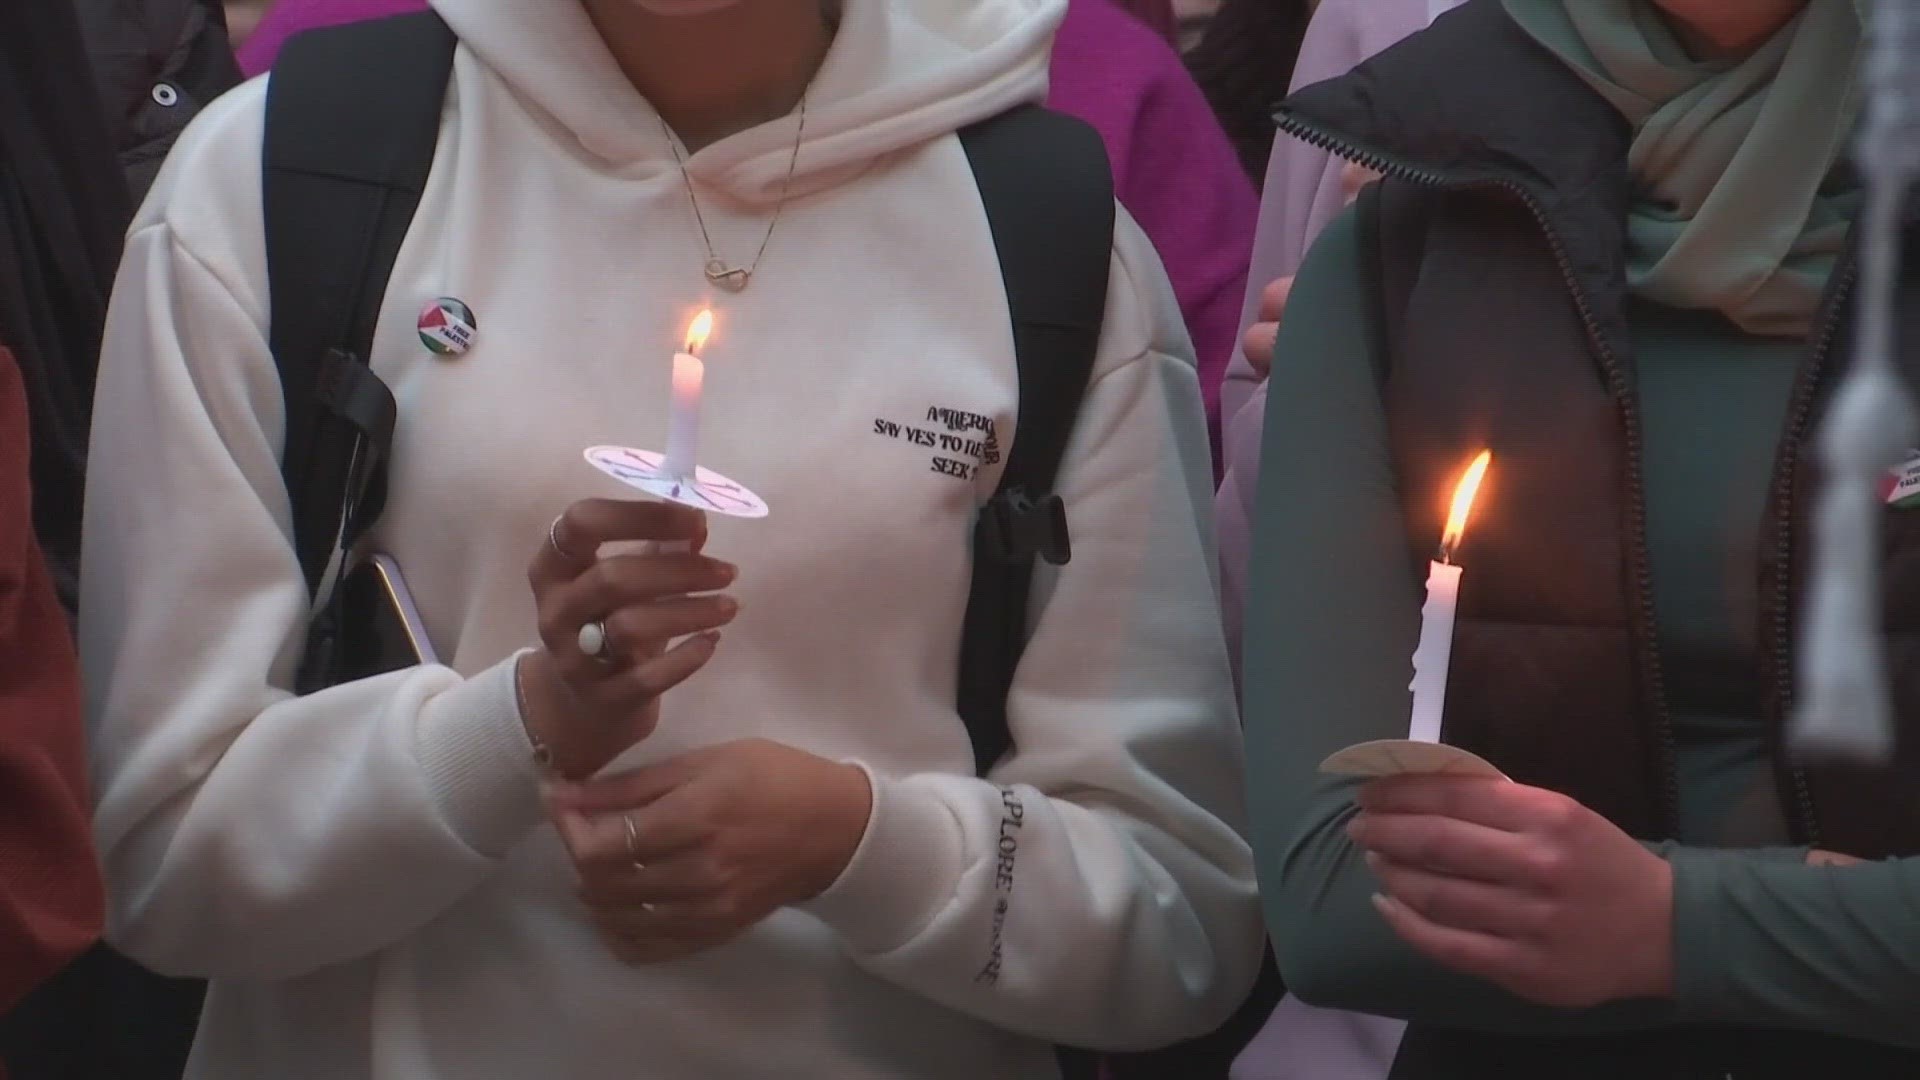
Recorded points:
(1174, 170)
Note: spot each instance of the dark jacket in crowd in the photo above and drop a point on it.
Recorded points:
(63, 204)
(157, 63)
(63, 207)
(92, 95)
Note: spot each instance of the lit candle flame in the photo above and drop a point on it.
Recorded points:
(1463, 505)
(698, 331)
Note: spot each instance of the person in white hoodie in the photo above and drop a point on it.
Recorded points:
(763, 856)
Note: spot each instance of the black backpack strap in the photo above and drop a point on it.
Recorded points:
(1047, 186)
(1048, 191)
(353, 115)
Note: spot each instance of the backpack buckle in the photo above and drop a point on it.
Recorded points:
(349, 390)
(352, 395)
(1015, 527)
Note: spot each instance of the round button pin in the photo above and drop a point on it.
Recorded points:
(447, 327)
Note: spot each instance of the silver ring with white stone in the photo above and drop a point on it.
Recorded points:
(594, 642)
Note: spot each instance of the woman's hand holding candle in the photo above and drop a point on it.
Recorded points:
(1520, 886)
(588, 709)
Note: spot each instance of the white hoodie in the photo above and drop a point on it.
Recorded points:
(366, 873)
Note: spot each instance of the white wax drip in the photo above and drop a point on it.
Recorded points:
(1434, 655)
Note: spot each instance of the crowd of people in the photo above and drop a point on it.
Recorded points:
(1080, 390)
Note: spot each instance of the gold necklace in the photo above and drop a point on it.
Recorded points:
(734, 278)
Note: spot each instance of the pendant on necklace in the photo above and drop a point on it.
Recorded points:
(733, 279)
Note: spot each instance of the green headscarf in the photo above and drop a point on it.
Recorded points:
(1734, 211)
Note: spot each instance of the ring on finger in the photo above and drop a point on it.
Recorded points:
(633, 841)
(633, 854)
(553, 540)
(595, 643)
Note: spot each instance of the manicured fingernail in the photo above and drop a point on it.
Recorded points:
(729, 607)
(1384, 904)
(713, 637)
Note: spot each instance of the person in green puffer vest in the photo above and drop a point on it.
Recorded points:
(1623, 261)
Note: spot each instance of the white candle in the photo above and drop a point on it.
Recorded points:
(683, 418)
(1434, 654)
(683, 422)
(1431, 659)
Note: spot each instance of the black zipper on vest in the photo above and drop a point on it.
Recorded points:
(1799, 421)
(1640, 560)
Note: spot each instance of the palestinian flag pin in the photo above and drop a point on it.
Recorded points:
(1900, 488)
(447, 327)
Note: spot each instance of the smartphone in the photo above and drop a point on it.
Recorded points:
(382, 629)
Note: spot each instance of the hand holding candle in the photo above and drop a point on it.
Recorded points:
(1422, 751)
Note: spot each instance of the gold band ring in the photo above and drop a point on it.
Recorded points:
(633, 852)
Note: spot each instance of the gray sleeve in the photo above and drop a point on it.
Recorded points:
(1778, 943)
(1331, 622)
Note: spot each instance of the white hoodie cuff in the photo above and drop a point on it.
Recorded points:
(907, 868)
(478, 761)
